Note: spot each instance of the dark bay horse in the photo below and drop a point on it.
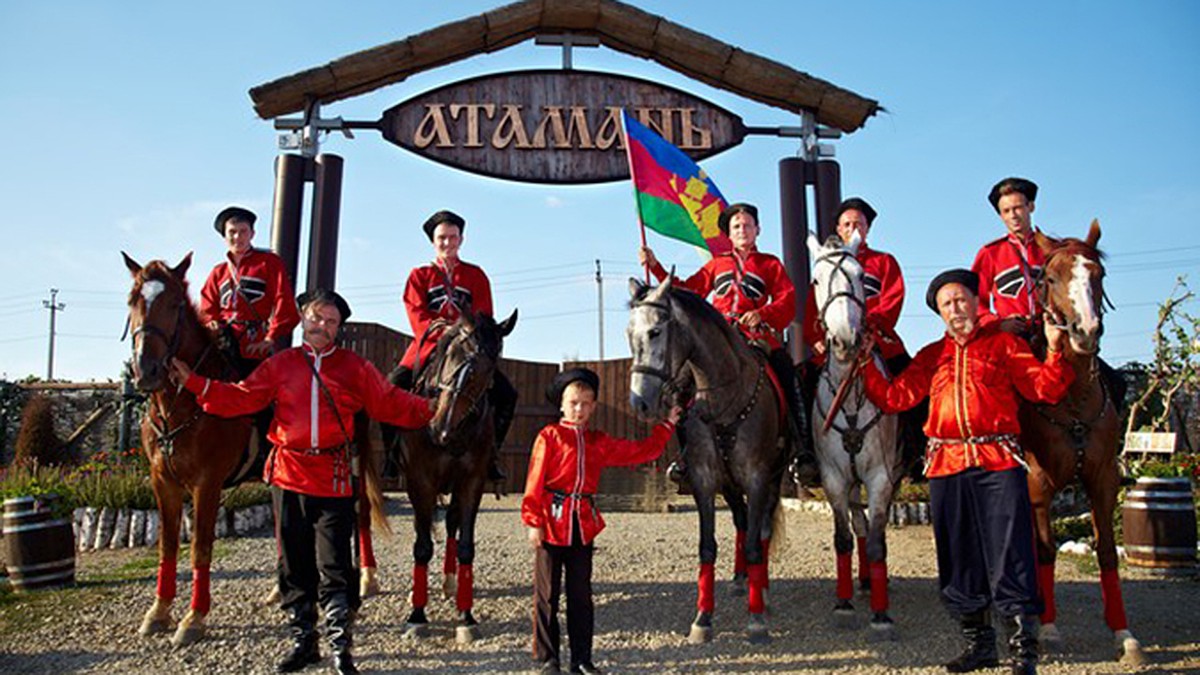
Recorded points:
(859, 449)
(1076, 440)
(732, 430)
(450, 456)
(191, 453)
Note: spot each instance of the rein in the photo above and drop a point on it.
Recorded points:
(842, 256)
(669, 379)
(457, 384)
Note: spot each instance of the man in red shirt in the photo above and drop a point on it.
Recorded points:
(248, 295)
(560, 515)
(975, 377)
(316, 388)
(754, 293)
(442, 291)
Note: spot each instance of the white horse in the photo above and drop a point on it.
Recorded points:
(859, 449)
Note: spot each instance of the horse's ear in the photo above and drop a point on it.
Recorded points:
(814, 246)
(133, 265)
(506, 326)
(1093, 235)
(180, 270)
(1046, 244)
(636, 288)
(666, 285)
(855, 242)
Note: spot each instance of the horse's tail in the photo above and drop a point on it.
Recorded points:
(370, 456)
(779, 536)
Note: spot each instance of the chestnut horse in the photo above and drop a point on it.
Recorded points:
(450, 456)
(191, 453)
(1076, 440)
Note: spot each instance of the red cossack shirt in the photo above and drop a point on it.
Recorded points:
(567, 460)
(305, 431)
(1008, 271)
(432, 293)
(757, 282)
(974, 391)
(255, 297)
(883, 285)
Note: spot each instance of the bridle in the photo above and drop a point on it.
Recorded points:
(839, 267)
(171, 341)
(1054, 315)
(457, 381)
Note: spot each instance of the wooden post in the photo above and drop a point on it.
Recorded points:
(793, 220)
(327, 203)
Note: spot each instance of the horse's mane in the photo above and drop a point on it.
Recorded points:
(157, 270)
(1076, 246)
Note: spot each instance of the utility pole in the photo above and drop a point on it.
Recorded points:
(600, 305)
(55, 308)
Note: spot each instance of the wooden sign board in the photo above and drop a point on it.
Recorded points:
(553, 126)
(1139, 441)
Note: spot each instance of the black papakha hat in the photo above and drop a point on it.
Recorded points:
(959, 276)
(555, 391)
(234, 213)
(443, 217)
(857, 204)
(731, 211)
(1012, 184)
(324, 296)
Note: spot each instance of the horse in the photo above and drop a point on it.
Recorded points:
(1076, 440)
(731, 430)
(190, 452)
(859, 447)
(450, 456)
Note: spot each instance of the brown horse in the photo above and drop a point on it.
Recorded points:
(1076, 440)
(191, 453)
(450, 456)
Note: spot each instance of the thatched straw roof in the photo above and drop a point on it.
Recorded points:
(618, 26)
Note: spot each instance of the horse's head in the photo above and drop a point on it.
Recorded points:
(468, 353)
(158, 309)
(837, 278)
(658, 346)
(1072, 287)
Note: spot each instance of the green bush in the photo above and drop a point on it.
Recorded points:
(247, 494)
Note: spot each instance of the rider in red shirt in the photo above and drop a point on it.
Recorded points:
(316, 388)
(248, 294)
(753, 291)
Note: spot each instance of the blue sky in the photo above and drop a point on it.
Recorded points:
(128, 125)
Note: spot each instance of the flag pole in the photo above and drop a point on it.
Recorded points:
(633, 182)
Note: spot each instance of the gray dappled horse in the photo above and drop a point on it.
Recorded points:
(859, 449)
(731, 430)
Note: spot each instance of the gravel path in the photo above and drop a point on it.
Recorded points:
(645, 596)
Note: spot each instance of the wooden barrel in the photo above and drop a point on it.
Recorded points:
(1160, 523)
(40, 548)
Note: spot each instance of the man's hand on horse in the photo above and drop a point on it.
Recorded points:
(1056, 338)
(181, 371)
(750, 319)
(674, 414)
(260, 349)
(535, 536)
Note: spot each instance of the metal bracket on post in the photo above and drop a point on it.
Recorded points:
(304, 133)
(567, 41)
(810, 134)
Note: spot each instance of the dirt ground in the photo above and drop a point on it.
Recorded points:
(645, 570)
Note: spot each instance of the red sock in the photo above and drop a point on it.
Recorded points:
(450, 564)
(845, 578)
(1114, 603)
(879, 590)
(166, 580)
(704, 601)
(420, 587)
(758, 581)
(1046, 586)
(864, 566)
(366, 548)
(201, 597)
(466, 588)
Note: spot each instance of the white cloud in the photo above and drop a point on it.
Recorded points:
(553, 202)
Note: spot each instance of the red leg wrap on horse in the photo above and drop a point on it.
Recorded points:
(766, 549)
(739, 554)
(466, 588)
(166, 579)
(704, 600)
(1046, 586)
(366, 548)
(201, 597)
(879, 590)
(757, 582)
(864, 566)
(450, 564)
(845, 577)
(1114, 603)
(420, 587)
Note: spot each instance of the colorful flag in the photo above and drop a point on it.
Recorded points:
(675, 198)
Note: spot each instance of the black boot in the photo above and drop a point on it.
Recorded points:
(980, 651)
(338, 622)
(305, 651)
(1023, 645)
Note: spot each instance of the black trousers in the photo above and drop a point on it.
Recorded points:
(983, 528)
(550, 564)
(316, 562)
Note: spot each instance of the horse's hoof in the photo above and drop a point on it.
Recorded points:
(1049, 638)
(187, 635)
(271, 599)
(369, 584)
(449, 586)
(699, 635)
(1129, 650)
(416, 631)
(465, 635)
(843, 617)
(756, 630)
(882, 629)
(864, 586)
(151, 626)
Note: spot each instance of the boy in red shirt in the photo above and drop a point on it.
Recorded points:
(561, 518)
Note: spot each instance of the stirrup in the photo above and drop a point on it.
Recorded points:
(676, 471)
